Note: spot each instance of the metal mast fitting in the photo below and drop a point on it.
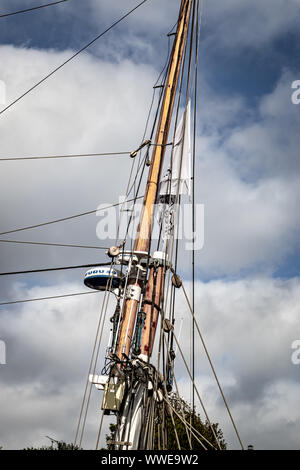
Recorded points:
(142, 242)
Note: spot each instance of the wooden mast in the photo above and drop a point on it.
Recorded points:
(142, 242)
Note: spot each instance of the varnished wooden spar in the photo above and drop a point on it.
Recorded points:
(145, 226)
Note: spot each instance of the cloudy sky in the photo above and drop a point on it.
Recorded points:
(247, 177)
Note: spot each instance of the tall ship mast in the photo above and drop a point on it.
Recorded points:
(138, 378)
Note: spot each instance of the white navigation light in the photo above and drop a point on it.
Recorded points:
(102, 277)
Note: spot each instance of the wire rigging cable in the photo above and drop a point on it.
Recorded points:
(61, 268)
(47, 298)
(72, 57)
(211, 365)
(67, 218)
(33, 8)
(142, 164)
(23, 242)
(92, 366)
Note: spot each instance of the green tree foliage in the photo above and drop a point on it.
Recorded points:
(111, 436)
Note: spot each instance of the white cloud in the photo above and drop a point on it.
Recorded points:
(49, 346)
(248, 179)
(89, 106)
(248, 327)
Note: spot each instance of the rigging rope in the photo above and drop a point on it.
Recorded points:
(144, 161)
(104, 314)
(90, 368)
(192, 430)
(150, 419)
(46, 157)
(193, 191)
(212, 367)
(170, 246)
(128, 190)
(33, 8)
(63, 219)
(177, 391)
(193, 27)
(197, 392)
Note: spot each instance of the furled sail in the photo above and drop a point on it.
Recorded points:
(177, 180)
(178, 176)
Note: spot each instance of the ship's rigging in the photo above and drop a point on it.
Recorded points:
(143, 278)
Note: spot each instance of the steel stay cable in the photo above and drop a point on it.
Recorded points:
(193, 195)
(130, 312)
(67, 218)
(170, 255)
(129, 189)
(147, 426)
(172, 418)
(200, 8)
(187, 93)
(114, 346)
(104, 308)
(126, 438)
(33, 8)
(199, 15)
(47, 298)
(100, 429)
(170, 247)
(72, 57)
(177, 390)
(75, 155)
(66, 245)
(161, 346)
(124, 202)
(174, 132)
(87, 381)
(152, 424)
(61, 268)
(159, 353)
(95, 365)
(90, 368)
(212, 367)
(197, 392)
(143, 163)
(191, 428)
(95, 358)
(188, 424)
(173, 140)
(105, 303)
(79, 155)
(181, 82)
